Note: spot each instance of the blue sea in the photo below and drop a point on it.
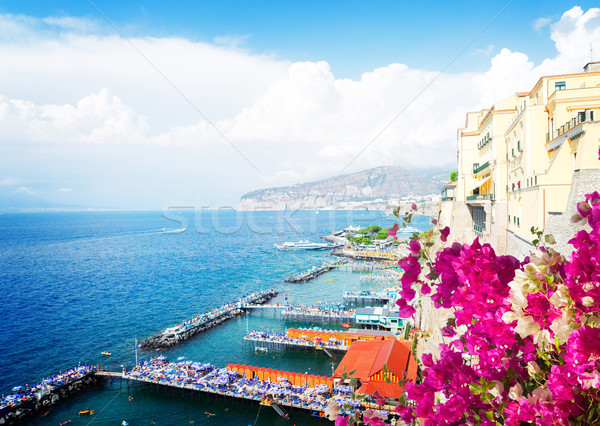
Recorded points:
(73, 284)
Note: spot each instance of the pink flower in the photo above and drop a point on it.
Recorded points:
(341, 421)
(379, 399)
(413, 206)
(406, 311)
(393, 230)
(434, 221)
(414, 246)
(444, 233)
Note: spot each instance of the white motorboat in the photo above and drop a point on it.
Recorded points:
(306, 245)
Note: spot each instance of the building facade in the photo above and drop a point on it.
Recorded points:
(526, 161)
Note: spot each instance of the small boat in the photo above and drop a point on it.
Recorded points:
(209, 414)
(106, 353)
(328, 281)
(65, 423)
(345, 325)
(86, 413)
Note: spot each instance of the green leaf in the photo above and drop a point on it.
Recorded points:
(474, 388)
(490, 415)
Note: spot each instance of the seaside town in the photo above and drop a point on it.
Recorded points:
(522, 163)
(416, 239)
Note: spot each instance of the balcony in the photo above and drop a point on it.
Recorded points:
(479, 197)
(478, 169)
(555, 140)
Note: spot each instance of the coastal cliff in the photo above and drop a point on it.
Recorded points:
(375, 188)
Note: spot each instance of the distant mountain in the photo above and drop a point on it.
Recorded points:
(367, 188)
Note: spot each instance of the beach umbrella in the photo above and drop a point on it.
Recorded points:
(11, 397)
(333, 339)
(161, 358)
(281, 378)
(181, 358)
(17, 388)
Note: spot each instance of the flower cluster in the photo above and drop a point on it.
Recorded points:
(524, 341)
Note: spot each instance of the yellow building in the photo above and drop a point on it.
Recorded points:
(527, 161)
(480, 206)
(552, 153)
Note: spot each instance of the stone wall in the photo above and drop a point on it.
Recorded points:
(12, 415)
(559, 225)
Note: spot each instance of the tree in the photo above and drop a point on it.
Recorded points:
(381, 235)
(454, 176)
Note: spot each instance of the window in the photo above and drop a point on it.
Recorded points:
(519, 146)
(513, 152)
(536, 180)
(560, 85)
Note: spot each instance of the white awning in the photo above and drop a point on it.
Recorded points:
(575, 133)
(556, 144)
(479, 183)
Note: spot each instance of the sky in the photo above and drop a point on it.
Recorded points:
(145, 105)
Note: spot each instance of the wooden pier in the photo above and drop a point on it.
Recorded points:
(188, 328)
(217, 391)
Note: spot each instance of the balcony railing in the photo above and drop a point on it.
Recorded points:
(481, 168)
(572, 123)
(479, 228)
(478, 197)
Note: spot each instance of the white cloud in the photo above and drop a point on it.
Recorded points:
(24, 190)
(485, 52)
(540, 23)
(294, 121)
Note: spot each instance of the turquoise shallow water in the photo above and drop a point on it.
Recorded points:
(74, 284)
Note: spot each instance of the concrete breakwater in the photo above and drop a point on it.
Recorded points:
(27, 401)
(314, 272)
(188, 328)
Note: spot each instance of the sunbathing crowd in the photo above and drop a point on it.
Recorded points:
(228, 382)
(216, 313)
(38, 390)
(303, 340)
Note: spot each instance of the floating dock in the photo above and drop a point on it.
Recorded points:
(281, 341)
(188, 328)
(315, 272)
(369, 296)
(309, 313)
(310, 339)
(301, 313)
